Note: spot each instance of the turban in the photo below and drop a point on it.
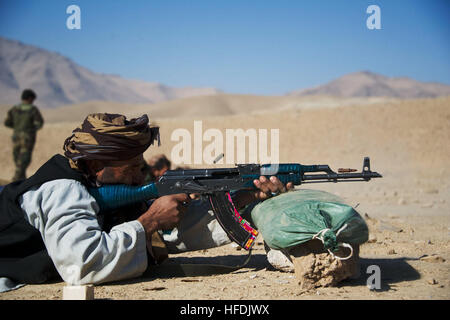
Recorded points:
(104, 136)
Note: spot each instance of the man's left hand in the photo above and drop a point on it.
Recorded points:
(268, 188)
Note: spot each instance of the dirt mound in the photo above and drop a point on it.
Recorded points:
(315, 267)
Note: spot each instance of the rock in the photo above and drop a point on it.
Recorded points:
(279, 260)
(392, 251)
(372, 239)
(235, 246)
(282, 281)
(433, 258)
(431, 191)
(81, 292)
(401, 201)
(427, 205)
(432, 281)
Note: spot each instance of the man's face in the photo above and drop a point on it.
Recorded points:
(122, 172)
(28, 101)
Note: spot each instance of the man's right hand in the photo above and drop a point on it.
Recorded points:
(165, 213)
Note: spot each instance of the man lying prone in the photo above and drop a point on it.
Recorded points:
(50, 225)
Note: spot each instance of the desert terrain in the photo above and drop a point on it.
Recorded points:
(407, 211)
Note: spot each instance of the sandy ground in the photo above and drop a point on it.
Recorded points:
(407, 210)
(401, 235)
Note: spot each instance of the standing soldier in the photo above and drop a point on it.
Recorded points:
(25, 119)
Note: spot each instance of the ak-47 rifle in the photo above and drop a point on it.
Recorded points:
(217, 183)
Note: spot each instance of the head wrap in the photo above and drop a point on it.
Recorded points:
(104, 136)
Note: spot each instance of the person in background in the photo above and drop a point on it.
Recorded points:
(155, 167)
(25, 120)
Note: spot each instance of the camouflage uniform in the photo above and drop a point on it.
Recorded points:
(25, 119)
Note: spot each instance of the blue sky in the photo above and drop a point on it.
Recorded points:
(240, 46)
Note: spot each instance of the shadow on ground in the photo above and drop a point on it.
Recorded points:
(178, 267)
(391, 271)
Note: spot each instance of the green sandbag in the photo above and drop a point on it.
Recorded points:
(297, 216)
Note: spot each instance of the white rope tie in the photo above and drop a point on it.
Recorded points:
(319, 235)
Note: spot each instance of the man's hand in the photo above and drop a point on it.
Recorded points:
(267, 188)
(270, 187)
(165, 213)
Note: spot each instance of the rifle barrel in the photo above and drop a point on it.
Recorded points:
(336, 177)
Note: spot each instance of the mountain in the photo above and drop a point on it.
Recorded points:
(369, 84)
(59, 81)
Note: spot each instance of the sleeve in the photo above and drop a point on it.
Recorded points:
(198, 230)
(65, 214)
(38, 121)
(9, 119)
